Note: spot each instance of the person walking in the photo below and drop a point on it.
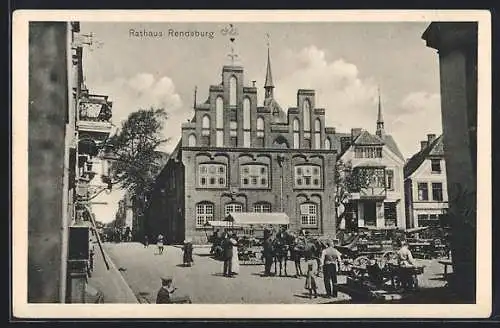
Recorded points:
(311, 280)
(227, 255)
(235, 263)
(330, 261)
(159, 243)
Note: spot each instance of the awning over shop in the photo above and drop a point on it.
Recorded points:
(258, 218)
(223, 224)
(417, 229)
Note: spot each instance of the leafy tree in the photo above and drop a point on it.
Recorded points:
(347, 180)
(137, 161)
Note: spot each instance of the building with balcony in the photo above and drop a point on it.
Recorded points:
(378, 200)
(238, 156)
(426, 192)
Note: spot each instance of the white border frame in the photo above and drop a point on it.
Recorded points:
(22, 309)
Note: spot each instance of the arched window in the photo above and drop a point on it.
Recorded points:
(317, 125)
(260, 131)
(246, 123)
(317, 134)
(246, 114)
(306, 110)
(219, 113)
(262, 207)
(205, 125)
(219, 124)
(192, 140)
(232, 208)
(327, 143)
(309, 214)
(296, 133)
(204, 213)
(232, 91)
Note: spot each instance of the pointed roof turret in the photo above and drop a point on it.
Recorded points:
(380, 119)
(269, 75)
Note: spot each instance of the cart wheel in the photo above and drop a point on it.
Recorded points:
(361, 261)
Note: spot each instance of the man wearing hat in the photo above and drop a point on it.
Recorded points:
(187, 252)
(166, 289)
(330, 261)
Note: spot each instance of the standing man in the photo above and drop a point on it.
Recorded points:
(227, 256)
(146, 241)
(268, 254)
(330, 261)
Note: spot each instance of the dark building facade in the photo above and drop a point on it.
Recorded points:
(237, 156)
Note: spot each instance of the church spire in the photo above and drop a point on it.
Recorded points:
(380, 120)
(269, 86)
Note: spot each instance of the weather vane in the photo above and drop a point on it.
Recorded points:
(88, 40)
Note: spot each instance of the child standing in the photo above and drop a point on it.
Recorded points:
(310, 279)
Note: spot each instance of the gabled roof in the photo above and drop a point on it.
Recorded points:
(434, 149)
(278, 115)
(391, 144)
(366, 138)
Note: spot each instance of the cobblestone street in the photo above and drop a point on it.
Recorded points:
(204, 283)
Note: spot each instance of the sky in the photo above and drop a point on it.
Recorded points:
(346, 63)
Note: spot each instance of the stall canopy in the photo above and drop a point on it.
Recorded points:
(258, 218)
(224, 224)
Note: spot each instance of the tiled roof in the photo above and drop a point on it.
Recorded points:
(434, 149)
(366, 138)
(391, 144)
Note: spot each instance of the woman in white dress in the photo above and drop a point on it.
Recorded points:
(235, 263)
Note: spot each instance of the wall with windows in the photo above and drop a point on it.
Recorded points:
(428, 193)
(218, 183)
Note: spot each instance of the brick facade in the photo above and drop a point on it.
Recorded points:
(231, 136)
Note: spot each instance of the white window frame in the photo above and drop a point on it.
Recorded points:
(204, 213)
(232, 208)
(309, 214)
(262, 207)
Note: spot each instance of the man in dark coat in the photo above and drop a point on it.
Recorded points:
(166, 289)
(268, 255)
(227, 256)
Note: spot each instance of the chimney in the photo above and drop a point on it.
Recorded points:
(424, 144)
(431, 137)
(355, 133)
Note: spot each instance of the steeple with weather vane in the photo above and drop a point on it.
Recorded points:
(269, 85)
(380, 119)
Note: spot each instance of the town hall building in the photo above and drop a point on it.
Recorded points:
(238, 156)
